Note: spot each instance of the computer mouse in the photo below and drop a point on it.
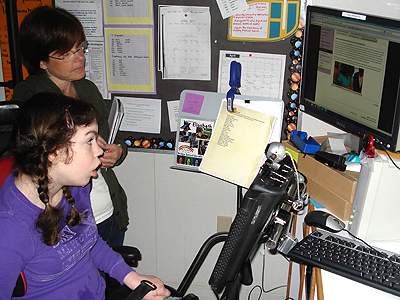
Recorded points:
(324, 220)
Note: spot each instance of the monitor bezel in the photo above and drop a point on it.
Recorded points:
(336, 120)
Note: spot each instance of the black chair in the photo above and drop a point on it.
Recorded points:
(8, 112)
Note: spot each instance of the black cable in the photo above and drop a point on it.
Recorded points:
(262, 288)
(384, 149)
(369, 246)
(251, 291)
(262, 291)
(347, 153)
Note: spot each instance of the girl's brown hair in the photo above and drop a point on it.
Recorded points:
(46, 123)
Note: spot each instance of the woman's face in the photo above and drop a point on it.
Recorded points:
(67, 70)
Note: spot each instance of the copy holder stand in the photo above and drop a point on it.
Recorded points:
(219, 237)
(234, 83)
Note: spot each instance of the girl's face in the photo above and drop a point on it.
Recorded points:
(79, 165)
(70, 69)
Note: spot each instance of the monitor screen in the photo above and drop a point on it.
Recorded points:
(350, 72)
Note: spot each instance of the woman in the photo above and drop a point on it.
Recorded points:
(52, 45)
(48, 228)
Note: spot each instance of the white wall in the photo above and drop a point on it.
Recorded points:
(172, 213)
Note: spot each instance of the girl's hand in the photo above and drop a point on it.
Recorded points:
(133, 279)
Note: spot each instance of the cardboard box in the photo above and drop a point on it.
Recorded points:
(331, 188)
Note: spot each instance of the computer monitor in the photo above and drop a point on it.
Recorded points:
(350, 72)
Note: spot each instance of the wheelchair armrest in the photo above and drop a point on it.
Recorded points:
(131, 255)
(140, 292)
(175, 293)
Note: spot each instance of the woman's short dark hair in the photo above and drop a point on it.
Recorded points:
(45, 30)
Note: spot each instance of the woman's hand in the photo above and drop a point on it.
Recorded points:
(111, 153)
(133, 279)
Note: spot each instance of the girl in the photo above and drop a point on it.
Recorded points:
(48, 228)
(53, 47)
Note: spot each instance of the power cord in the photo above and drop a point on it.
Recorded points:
(262, 287)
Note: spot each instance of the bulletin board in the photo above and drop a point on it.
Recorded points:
(167, 89)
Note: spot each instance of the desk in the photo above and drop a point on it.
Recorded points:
(338, 287)
(332, 286)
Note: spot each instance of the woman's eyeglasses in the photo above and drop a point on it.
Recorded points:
(82, 48)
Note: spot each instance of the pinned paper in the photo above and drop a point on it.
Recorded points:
(173, 114)
(193, 103)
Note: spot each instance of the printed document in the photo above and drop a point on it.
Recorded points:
(114, 119)
(128, 12)
(231, 7)
(237, 145)
(95, 65)
(130, 60)
(141, 115)
(185, 42)
(88, 12)
(173, 114)
(262, 73)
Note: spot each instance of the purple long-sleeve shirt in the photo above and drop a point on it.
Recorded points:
(68, 270)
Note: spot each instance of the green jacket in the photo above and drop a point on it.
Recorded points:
(87, 91)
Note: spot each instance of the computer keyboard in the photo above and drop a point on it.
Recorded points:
(351, 259)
